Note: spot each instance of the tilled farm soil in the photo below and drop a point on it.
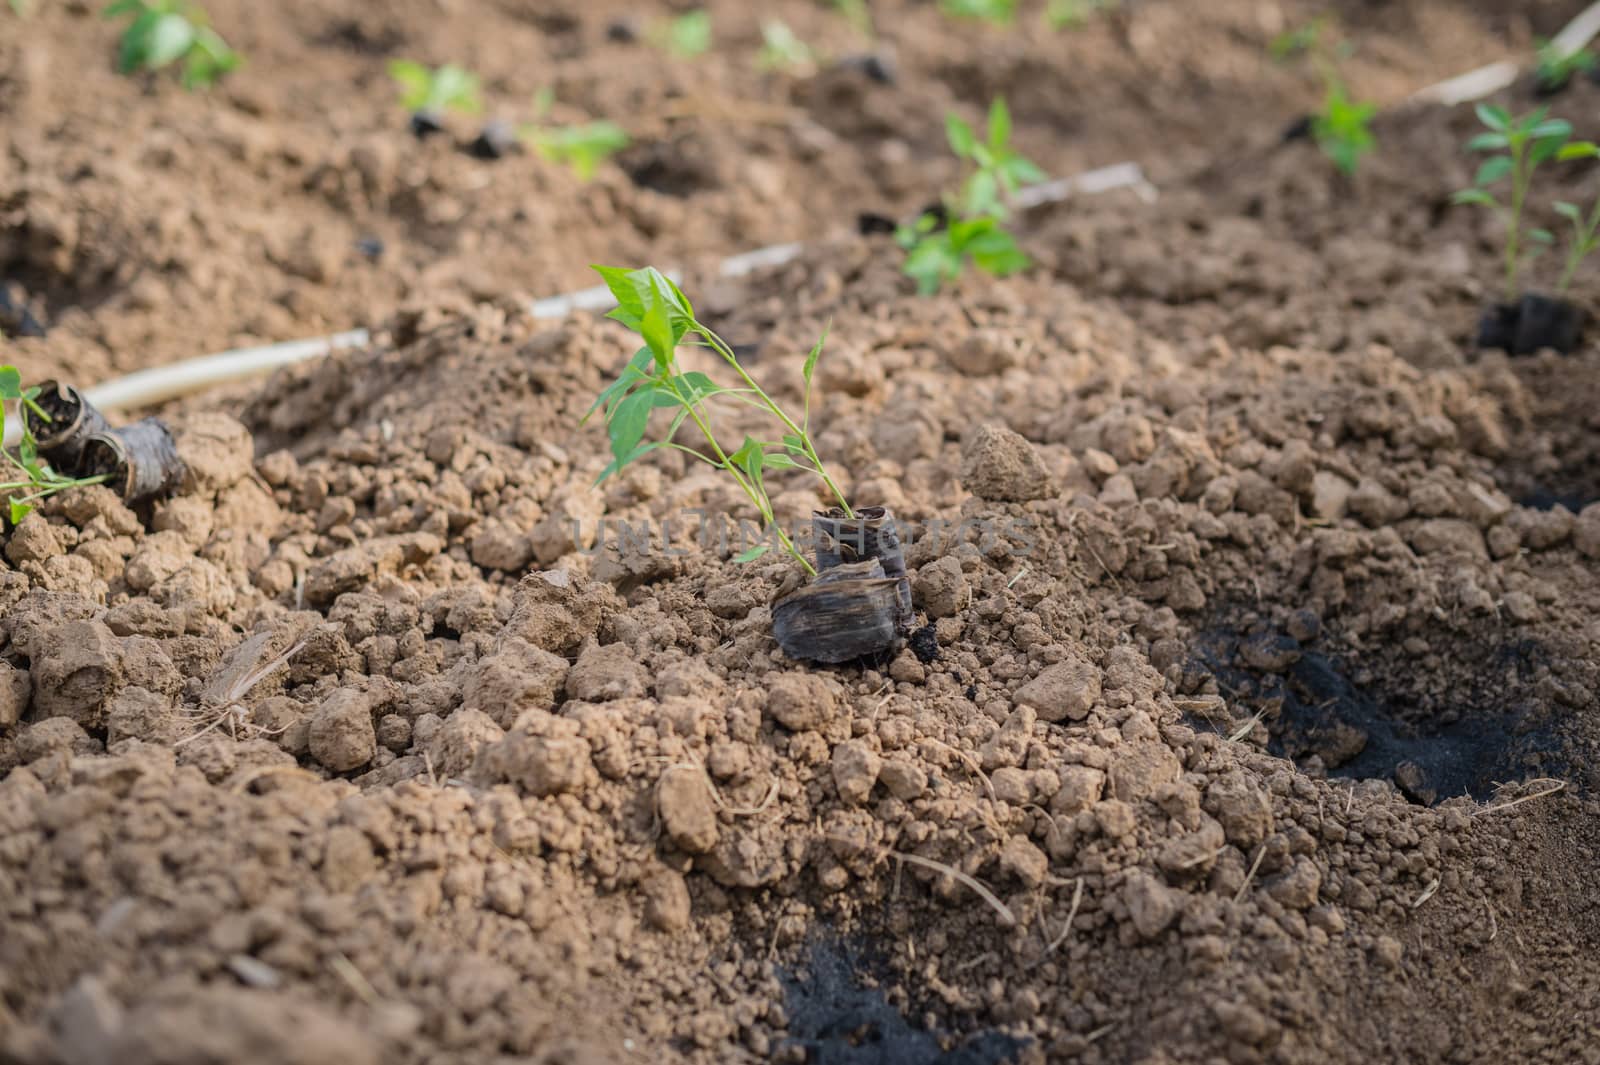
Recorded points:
(141, 224)
(1260, 724)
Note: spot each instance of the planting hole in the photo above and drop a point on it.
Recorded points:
(839, 1015)
(1459, 720)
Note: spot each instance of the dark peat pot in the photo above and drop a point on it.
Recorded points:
(139, 461)
(70, 422)
(1530, 325)
(859, 605)
(425, 124)
(496, 140)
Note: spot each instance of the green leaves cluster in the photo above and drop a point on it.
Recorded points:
(448, 88)
(781, 49)
(1554, 66)
(686, 36)
(1074, 14)
(1517, 147)
(998, 12)
(650, 304)
(164, 32)
(1343, 128)
(937, 253)
(583, 146)
(30, 478)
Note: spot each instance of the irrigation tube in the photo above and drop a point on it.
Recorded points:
(161, 383)
(148, 387)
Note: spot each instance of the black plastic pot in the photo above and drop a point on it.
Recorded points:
(1530, 325)
(139, 461)
(72, 422)
(877, 66)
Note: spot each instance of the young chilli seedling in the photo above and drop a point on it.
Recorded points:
(1075, 14)
(781, 49)
(28, 478)
(1519, 146)
(685, 36)
(165, 31)
(650, 304)
(430, 93)
(938, 252)
(1555, 67)
(582, 146)
(998, 12)
(1343, 128)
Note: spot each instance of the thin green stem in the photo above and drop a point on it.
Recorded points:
(762, 504)
(1521, 177)
(721, 348)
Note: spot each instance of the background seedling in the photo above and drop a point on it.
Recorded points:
(1074, 14)
(20, 8)
(998, 12)
(582, 146)
(432, 92)
(1555, 66)
(1519, 146)
(163, 32)
(937, 254)
(1300, 40)
(781, 49)
(28, 479)
(1343, 128)
(859, 15)
(651, 305)
(685, 36)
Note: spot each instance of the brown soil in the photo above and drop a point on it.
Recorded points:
(1263, 729)
(143, 224)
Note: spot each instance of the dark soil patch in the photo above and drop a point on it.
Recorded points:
(1357, 718)
(840, 1015)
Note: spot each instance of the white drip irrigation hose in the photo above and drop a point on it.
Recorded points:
(159, 384)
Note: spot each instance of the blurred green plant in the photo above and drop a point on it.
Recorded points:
(1075, 14)
(973, 230)
(583, 146)
(1343, 128)
(163, 32)
(1555, 66)
(1519, 147)
(685, 36)
(781, 49)
(858, 14)
(997, 12)
(430, 91)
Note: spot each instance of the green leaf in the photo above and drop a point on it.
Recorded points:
(1488, 142)
(999, 124)
(1496, 118)
(10, 382)
(630, 300)
(169, 39)
(1541, 236)
(962, 140)
(1555, 127)
(810, 366)
(1493, 170)
(628, 424)
(795, 444)
(122, 7)
(1578, 150)
(753, 553)
(1569, 210)
(656, 328)
(1474, 196)
(1546, 149)
(777, 460)
(135, 43)
(618, 463)
(19, 511)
